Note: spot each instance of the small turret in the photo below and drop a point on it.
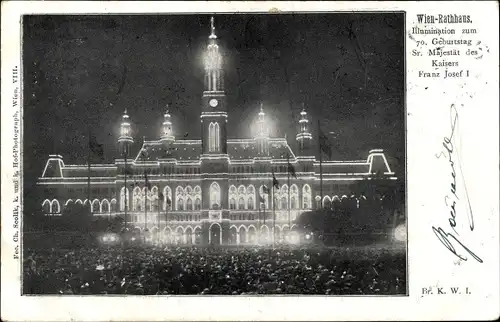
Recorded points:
(304, 137)
(167, 133)
(125, 139)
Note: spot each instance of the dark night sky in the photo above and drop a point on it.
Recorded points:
(83, 71)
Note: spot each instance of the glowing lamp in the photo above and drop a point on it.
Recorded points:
(400, 233)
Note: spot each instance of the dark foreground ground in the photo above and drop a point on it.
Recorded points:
(67, 269)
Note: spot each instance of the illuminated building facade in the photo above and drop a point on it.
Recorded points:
(215, 190)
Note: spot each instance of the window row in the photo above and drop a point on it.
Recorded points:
(163, 171)
(154, 218)
(243, 217)
(190, 198)
(344, 200)
(96, 205)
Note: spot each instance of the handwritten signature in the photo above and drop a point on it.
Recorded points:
(450, 240)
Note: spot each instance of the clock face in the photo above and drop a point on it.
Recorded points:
(213, 102)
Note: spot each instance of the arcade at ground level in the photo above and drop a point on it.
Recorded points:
(219, 233)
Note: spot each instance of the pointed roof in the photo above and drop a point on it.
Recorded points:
(185, 150)
(212, 29)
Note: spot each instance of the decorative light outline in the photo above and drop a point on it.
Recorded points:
(54, 157)
(378, 152)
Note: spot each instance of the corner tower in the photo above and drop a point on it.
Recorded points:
(214, 110)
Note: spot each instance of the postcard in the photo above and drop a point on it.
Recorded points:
(232, 161)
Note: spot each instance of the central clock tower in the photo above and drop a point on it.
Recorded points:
(213, 111)
(214, 158)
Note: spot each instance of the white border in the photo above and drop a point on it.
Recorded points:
(429, 263)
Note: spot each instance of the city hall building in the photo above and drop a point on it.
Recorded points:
(215, 190)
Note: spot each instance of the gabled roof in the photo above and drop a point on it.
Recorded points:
(95, 170)
(55, 168)
(241, 149)
(179, 150)
(238, 149)
(279, 149)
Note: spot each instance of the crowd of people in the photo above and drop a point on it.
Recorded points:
(213, 270)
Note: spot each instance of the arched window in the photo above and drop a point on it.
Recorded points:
(250, 196)
(327, 203)
(167, 198)
(179, 195)
(306, 197)
(46, 205)
(179, 191)
(154, 202)
(56, 208)
(197, 203)
(213, 137)
(233, 195)
(137, 199)
(146, 199)
(113, 205)
(180, 204)
(294, 196)
(250, 203)
(214, 196)
(124, 194)
(95, 205)
(284, 204)
(105, 206)
(318, 202)
(241, 203)
(264, 196)
(189, 203)
(232, 203)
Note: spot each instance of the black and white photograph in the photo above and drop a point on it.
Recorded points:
(214, 154)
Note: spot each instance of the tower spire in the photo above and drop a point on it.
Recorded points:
(262, 136)
(213, 63)
(212, 28)
(214, 111)
(262, 126)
